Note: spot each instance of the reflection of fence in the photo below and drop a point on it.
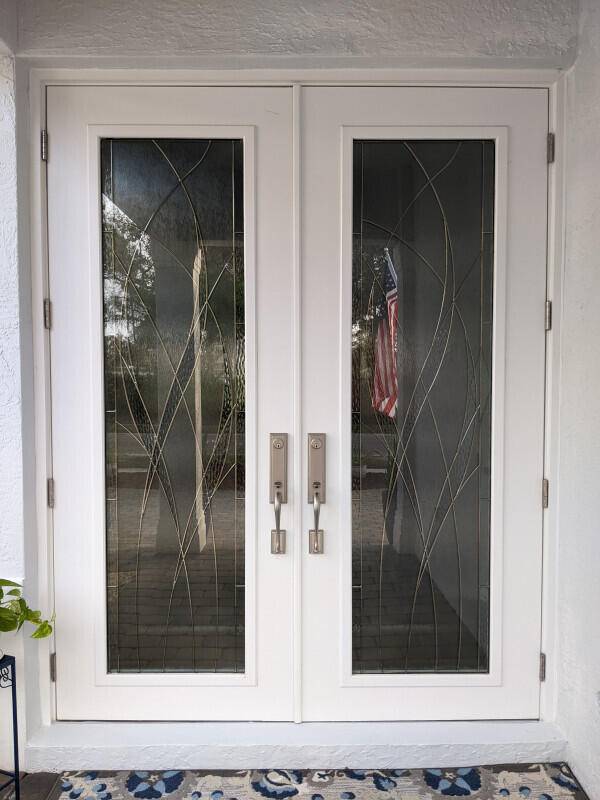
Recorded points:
(8, 680)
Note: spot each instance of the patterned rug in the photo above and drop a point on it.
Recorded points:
(518, 781)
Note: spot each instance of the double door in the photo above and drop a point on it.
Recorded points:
(227, 279)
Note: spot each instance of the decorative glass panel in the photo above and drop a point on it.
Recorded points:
(423, 233)
(174, 374)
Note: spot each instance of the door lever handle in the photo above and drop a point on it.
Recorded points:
(277, 535)
(316, 506)
(315, 535)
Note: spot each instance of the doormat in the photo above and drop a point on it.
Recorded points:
(518, 781)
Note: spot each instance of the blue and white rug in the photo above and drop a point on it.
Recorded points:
(516, 781)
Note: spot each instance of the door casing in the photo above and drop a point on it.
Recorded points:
(41, 77)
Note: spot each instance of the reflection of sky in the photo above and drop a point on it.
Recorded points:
(137, 247)
(137, 242)
(113, 326)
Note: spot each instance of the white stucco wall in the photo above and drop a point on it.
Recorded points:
(526, 30)
(11, 438)
(8, 26)
(11, 473)
(579, 522)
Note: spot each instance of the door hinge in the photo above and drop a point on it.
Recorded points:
(44, 145)
(550, 148)
(548, 319)
(50, 492)
(542, 667)
(47, 314)
(545, 493)
(53, 667)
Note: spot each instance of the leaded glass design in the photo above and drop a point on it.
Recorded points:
(174, 377)
(423, 233)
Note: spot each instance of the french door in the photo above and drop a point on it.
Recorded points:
(424, 264)
(189, 371)
(169, 237)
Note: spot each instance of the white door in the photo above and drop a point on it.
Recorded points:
(169, 234)
(424, 275)
(174, 348)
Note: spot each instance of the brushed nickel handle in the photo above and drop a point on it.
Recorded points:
(316, 507)
(277, 535)
(277, 509)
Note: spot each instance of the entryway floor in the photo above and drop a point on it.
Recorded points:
(517, 781)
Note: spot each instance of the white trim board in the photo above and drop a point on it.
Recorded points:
(49, 73)
(327, 745)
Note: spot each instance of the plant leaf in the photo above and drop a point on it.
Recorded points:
(15, 605)
(14, 612)
(44, 629)
(8, 620)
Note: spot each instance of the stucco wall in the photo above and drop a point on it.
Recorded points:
(579, 522)
(540, 30)
(11, 438)
(8, 26)
(11, 475)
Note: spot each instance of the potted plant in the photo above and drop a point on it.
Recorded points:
(14, 612)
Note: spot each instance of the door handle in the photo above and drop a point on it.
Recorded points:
(315, 535)
(278, 488)
(316, 507)
(277, 535)
(316, 488)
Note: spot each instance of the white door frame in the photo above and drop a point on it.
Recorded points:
(41, 709)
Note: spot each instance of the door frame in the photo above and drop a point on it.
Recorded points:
(39, 555)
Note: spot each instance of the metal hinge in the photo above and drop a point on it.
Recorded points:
(44, 145)
(550, 148)
(545, 493)
(47, 314)
(548, 319)
(542, 666)
(50, 492)
(53, 667)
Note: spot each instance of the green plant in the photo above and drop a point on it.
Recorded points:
(14, 611)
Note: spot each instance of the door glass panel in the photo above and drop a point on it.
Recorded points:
(174, 381)
(423, 233)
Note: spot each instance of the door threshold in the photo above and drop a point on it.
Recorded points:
(248, 745)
